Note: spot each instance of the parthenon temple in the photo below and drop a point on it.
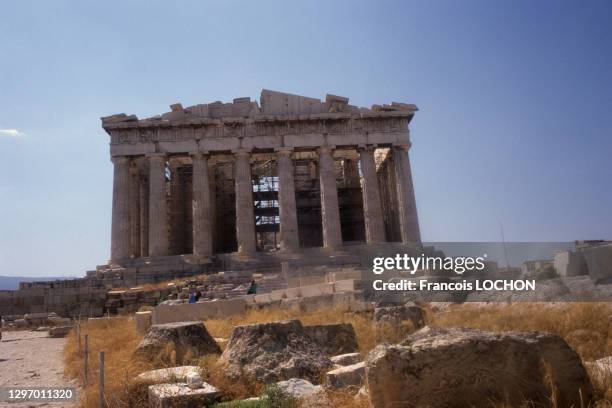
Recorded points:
(287, 173)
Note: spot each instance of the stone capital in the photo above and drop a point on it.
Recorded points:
(366, 148)
(284, 150)
(326, 149)
(120, 159)
(200, 154)
(157, 156)
(403, 146)
(241, 152)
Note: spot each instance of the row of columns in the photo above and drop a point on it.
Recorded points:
(154, 230)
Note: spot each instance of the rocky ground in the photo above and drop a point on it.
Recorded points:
(417, 355)
(31, 359)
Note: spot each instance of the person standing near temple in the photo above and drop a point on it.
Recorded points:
(253, 288)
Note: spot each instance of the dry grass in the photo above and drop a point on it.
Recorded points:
(583, 325)
(118, 338)
(368, 333)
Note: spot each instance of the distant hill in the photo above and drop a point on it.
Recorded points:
(12, 282)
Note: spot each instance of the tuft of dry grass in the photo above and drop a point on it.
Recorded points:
(230, 389)
(118, 339)
(346, 399)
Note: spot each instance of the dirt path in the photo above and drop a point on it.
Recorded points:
(31, 359)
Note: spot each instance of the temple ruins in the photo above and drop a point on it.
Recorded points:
(287, 173)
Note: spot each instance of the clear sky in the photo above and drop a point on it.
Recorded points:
(515, 98)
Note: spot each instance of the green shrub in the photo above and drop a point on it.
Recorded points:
(273, 397)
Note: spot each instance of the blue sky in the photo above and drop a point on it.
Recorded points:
(515, 98)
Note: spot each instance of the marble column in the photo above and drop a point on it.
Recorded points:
(286, 201)
(202, 237)
(372, 209)
(212, 185)
(144, 215)
(330, 212)
(409, 222)
(120, 227)
(245, 218)
(134, 202)
(158, 206)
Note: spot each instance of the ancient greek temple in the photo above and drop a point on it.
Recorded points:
(286, 173)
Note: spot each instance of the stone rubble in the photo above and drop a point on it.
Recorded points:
(346, 359)
(333, 339)
(437, 367)
(181, 395)
(60, 331)
(187, 338)
(168, 375)
(396, 314)
(271, 352)
(351, 376)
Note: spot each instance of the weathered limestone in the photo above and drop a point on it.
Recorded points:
(120, 229)
(143, 321)
(181, 395)
(143, 191)
(346, 359)
(437, 367)
(286, 201)
(372, 209)
(194, 380)
(245, 219)
(158, 213)
(218, 309)
(59, 331)
(299, 388)
(570, 263)
(166, 375)
(599, 263)
(330, 213)
(202, 233)
(409, 223)
(333, 339)
(348, 376)
(271, 352)
(397, 314)
(212, 215)
(134, 212)
(187, 338)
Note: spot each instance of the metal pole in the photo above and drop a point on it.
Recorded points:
(101, 401)
(85, 358)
